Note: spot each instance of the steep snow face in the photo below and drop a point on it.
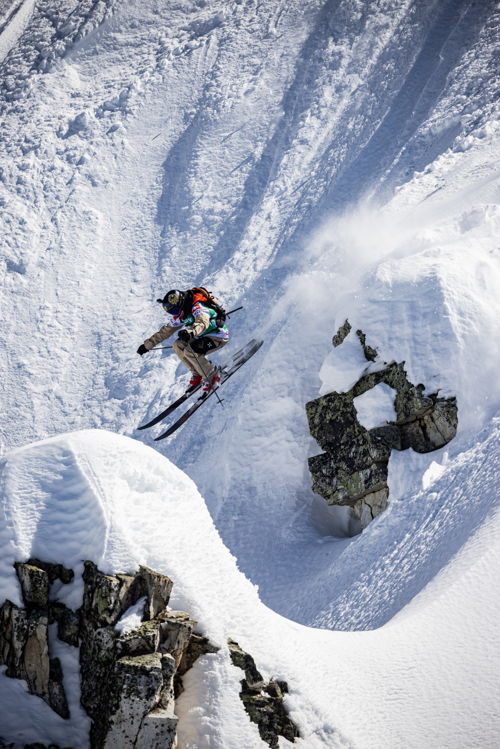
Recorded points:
(428, 678)
(310, 160)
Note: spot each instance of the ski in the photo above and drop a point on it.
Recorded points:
(172, 407)
(191, 391)
(239, 359)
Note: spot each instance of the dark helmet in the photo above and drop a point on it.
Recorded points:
(173, 301)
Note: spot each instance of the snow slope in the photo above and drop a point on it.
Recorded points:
(312, 161)
(427, 678)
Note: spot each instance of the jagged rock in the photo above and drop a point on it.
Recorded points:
(198, 645)
(24, 647)
(57, 697)
(105, 597)
(263, 702)
(341, 334)
(130, 680)
(68, 622)
(341, 486)
(144, 639)
(432, 428)
(54, 571)
(244, 660)
(140, 685)
(176, 628)
(369, 352)
(156, 588)
(34, 585)
(353, 468)
(97, 657)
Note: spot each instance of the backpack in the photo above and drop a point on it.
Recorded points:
(200, 294)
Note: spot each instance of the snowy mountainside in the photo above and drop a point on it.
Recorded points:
(428, 678)
(312, 161)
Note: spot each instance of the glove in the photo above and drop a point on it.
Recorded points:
(186, 336)
(142, 349)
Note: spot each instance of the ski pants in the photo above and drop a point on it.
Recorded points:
(192, 354)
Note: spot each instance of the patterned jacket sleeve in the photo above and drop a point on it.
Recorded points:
(201, 323)
(165, 332)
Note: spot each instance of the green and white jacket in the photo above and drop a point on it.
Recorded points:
(201, 321)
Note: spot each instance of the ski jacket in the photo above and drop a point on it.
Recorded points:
(201, 321)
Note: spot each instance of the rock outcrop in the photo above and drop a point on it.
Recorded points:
(353, 468)
(130, 680)
(24, 644)
(263, 701)
(134, 652)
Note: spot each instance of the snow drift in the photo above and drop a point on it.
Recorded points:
(426, 678)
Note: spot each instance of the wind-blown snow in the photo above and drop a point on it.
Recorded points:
(313, 161)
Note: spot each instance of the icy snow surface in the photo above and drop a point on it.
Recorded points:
(313, 161)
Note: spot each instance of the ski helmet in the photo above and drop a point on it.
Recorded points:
(173, 301)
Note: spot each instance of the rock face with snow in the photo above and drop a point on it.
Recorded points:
(353, 468)
(130, 679)
(131, 674)
(24, 646)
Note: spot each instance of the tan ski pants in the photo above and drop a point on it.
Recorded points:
(198, 363)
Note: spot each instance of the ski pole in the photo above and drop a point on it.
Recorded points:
(233, 310)
(158, 348)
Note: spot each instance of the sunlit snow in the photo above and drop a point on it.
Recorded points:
(314, 162)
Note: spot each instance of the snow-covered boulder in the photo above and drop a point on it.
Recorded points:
(353, 469)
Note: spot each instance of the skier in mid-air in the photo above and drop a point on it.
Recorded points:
(200, 323)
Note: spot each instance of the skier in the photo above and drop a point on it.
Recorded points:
(201, 329)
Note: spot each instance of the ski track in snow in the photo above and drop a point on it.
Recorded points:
(312, 161)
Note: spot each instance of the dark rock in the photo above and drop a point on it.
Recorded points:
(144, 639)
(198, 645)
(106, 597)
(353, 468)
(263, 702)
(341, 334)
(369, 352)
(57, 697)
(97, 658)
(54, 571)
(68, 622)
(24, 647)
(128, 679)
(157, 588)
(176, 628)
(34, 585)
(243, 660)
(24, 650)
